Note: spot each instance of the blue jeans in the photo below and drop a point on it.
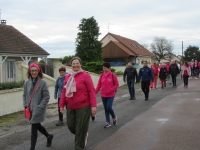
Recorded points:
(107, 103)
(131, 88)
(196, 73)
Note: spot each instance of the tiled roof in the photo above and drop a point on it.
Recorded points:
(132, 45)
(13, 41)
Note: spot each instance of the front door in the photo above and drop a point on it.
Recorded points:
(10, 71)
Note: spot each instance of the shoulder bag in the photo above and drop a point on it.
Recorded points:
(27, 112)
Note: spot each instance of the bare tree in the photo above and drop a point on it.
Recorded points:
(161, 47)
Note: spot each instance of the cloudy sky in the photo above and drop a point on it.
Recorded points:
(52, 24)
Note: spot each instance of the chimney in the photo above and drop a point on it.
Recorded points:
(3, 22)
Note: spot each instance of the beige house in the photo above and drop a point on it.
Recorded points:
(15, 46)
(119, 50)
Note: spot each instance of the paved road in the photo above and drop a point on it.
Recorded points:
(135, 128)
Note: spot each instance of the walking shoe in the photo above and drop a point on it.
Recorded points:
(131, 98)
(165, 84)
(49, 140)
(107, 125)
(86, 136)
(93, 118)
(162, 87)
(196, 78)
(115, 121)
(146, 99)
(60, 123)
(134, 98)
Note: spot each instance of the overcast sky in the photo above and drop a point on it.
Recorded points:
(52, 24)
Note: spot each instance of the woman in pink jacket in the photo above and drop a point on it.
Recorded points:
(79, 95)
(186, 73)
(108, 84)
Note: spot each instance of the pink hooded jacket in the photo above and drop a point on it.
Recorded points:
(108, 84)
(84, 95)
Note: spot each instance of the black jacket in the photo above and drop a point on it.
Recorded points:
(163, 73)
(174, 70)
(130, 74)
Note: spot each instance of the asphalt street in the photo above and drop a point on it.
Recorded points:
(127, 111)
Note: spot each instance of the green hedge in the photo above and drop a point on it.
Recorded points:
(96, 67)
(11, 85)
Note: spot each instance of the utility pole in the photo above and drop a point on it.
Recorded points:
(182, 48)
(0, 15)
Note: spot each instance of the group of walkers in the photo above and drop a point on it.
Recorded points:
(76, 92)
(166, 72)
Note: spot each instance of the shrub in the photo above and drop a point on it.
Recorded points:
(11, 85)
(95, 67)
(119, 73)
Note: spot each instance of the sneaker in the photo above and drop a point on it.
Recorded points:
(60, 123)
(93, 118)
(86, 138)
(196, 78)
(115, 121)
(107, 125)
(49, 140)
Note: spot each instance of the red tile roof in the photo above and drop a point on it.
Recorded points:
(13, 41)
(131, 45)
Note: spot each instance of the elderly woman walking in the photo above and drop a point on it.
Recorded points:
(79, 95)
(36, 96)
(57, 93)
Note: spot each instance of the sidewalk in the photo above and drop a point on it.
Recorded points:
(172, 124)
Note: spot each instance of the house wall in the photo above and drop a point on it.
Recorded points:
(107, 39)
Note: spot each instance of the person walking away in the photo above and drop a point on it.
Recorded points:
(163, 75)
(146, 75)
(196, 69)
(108, 83)
(154, 69)
(174, 71)
(130, 76)
(168, 74)
(57, 93)
(79, 95)
(36, 95)
(185, 73)
(191, 67)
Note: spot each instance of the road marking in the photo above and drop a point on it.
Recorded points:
(162, 120)
(197, 99)
(126, 95)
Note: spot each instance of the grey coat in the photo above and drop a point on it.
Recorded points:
(39, 101)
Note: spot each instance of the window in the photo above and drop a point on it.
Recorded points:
(139, 47)
(134, 46)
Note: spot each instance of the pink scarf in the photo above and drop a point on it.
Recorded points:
(71, 83)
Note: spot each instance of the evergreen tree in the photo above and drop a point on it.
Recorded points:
(191, 52)
(88, 48)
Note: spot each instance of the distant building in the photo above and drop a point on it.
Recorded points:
(15, 46)
(119, 50)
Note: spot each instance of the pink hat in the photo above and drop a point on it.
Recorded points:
(35, 65)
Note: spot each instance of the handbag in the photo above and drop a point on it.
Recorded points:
(27, 111)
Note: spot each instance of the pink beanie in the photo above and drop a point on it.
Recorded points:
(35, 65)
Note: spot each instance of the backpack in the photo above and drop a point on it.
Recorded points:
(185, 73)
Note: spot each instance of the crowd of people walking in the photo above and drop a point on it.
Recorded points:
(75, 92)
